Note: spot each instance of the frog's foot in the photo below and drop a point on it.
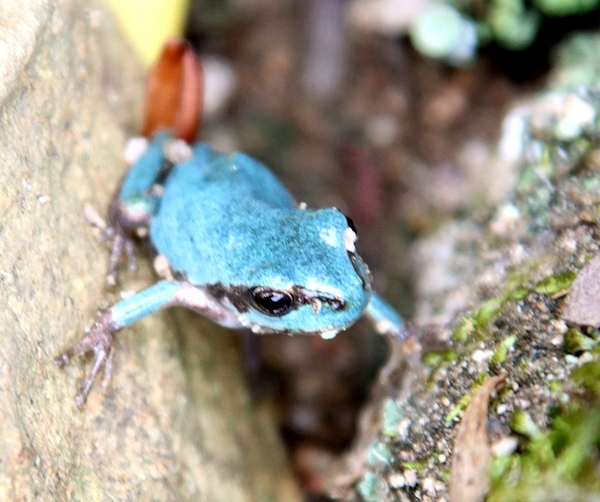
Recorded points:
(100, 341)
(121, 242)
(125, 223)
(118, 235)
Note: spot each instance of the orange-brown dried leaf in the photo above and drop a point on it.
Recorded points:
(472, 455)
(174, 92)
(189, 111)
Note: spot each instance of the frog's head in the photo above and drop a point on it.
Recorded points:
(304, 277)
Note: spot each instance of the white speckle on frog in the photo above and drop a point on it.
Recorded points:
(328, 335)
(134, 149)
(329, 236)
(383, 326)
(177, 151)
(316, 305)
(162, 267)
(349, 240)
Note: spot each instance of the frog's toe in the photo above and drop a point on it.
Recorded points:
(100, 341)
(121, 243)
(101, 359)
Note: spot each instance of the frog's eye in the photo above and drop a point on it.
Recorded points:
(272, 301)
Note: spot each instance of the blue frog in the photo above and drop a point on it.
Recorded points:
(239, 250)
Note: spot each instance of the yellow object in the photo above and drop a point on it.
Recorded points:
(148, 23)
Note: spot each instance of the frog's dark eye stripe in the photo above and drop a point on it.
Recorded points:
(306, 297)
(272, 301)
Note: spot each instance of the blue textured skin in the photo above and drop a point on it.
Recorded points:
(226, 220)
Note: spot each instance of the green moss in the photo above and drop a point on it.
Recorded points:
(558, 465)
(575, 342)
(437, 358)
(524, 425)
(561, 463)
(415, 466)
(513, 26)
(588, 376)
(502, 351)
(477, 323)
(464, 401)
(556, 284)
(463, 331)
(482, 316)
(577, 61)
(555, 386)
(565, 7)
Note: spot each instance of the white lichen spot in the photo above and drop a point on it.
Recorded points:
(329, 236)
(349, 240)
(134, 149)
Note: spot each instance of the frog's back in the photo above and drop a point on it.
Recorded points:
(206, 203)
(225, 177)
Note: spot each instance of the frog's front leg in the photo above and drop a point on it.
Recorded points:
(384, 318)
(135, 203)
(100, 338)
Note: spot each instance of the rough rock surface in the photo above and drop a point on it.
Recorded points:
(178, 423)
